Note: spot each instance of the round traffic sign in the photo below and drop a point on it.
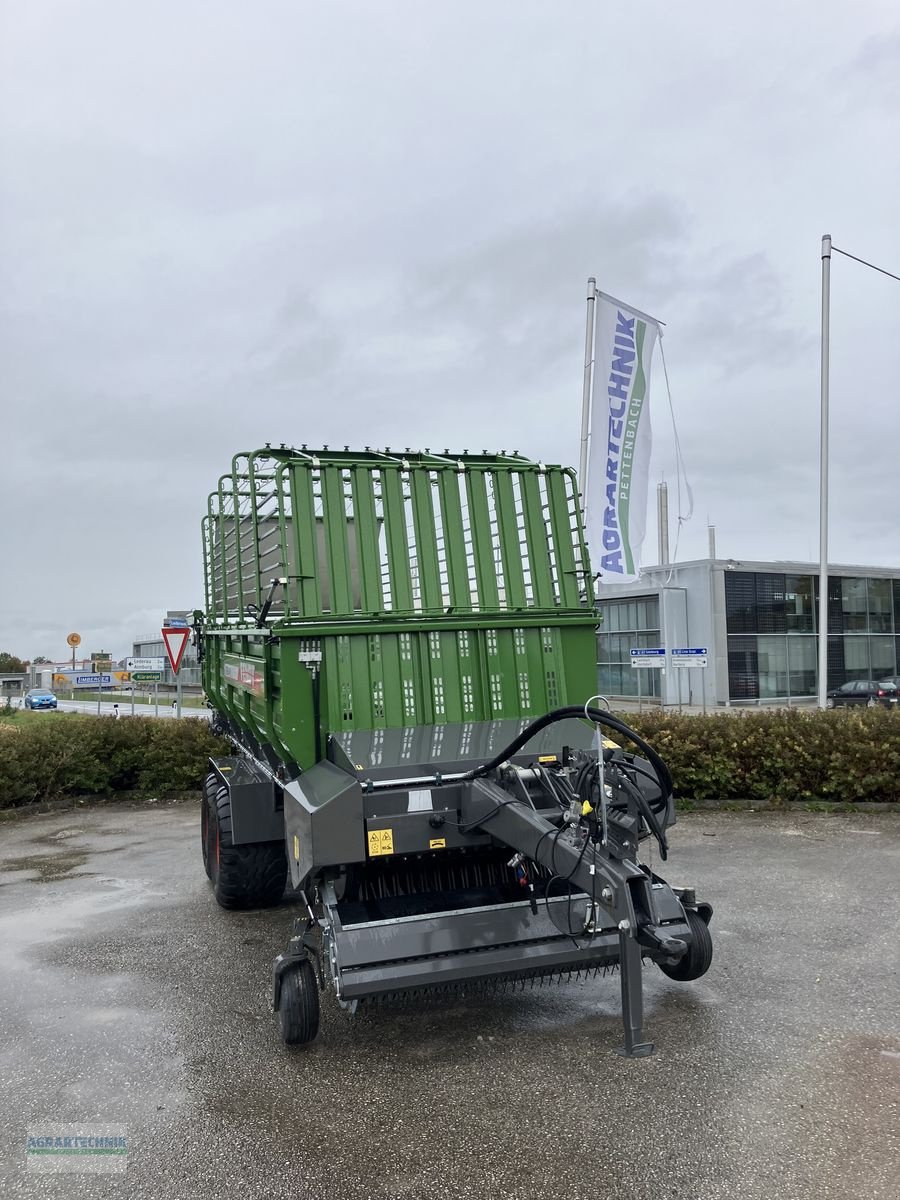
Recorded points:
(74, 639)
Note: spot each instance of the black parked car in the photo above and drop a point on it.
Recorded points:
(865, 691)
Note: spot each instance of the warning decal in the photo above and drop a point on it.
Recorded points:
(437, 844)
(381, 841)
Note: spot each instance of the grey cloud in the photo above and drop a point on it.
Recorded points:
(350, 223)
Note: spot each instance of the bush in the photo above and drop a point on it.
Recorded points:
(779, 755)
(77, 755)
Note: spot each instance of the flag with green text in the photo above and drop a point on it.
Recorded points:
(619, 460)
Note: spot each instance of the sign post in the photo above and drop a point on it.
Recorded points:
(643, 657)
(146, 670)
(687, 657)
(175, 639)
(74, 640)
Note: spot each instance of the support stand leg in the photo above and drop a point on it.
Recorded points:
(631, 970)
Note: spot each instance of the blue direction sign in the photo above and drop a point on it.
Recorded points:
(689, 656)
(652, 656)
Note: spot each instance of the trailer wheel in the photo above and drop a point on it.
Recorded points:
(699, 954)
(246, 876)
(209, 792)
(298, 1009)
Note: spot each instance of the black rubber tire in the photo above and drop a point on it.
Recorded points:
(298, 1009)
(217, 725)
(207, 799)
(247, 876)
(697, 960)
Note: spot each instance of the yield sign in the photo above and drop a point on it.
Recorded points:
(175, 640)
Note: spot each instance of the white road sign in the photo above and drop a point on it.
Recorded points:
(145, 664)
(689, 656)
(654, 656)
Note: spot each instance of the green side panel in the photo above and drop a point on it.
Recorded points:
(536, 540)
(337, 551)
(454, 538)
(426, 540)
(303, 527)
(239, 546)
(510, 545)
(366, 521)
(223, 562)
(482, 545)
(564, 548)
(397, 541)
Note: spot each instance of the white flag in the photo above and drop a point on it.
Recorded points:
(619, 463)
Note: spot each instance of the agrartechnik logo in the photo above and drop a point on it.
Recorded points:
(86, 1150)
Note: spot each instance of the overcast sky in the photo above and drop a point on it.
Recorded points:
(223, 224)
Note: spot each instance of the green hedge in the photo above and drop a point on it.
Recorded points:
(69, 754)
(779, 754)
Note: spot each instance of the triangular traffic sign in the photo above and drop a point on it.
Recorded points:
(175, 642)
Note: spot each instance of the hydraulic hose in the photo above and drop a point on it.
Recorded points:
(599, 717)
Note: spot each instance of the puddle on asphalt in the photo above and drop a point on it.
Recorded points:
(50, 867)
(53, 839)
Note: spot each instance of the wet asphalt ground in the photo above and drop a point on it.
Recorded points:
(127, 997)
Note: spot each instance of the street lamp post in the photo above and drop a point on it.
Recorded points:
(823, 473)
(827, 249)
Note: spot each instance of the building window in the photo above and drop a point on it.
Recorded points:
(880, 605)
(799, 605)
(856, 657)
(627, 625)
(772, 661)
(743, 669)
(882, 657)
(801, 666)
(740, 601)
(770, 604)
(853, 605)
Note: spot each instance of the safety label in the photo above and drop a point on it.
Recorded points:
(437, 844)
(381, 841)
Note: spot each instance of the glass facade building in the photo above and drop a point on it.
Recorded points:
(772, 626)
(759, 622)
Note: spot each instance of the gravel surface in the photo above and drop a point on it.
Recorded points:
(127, 998)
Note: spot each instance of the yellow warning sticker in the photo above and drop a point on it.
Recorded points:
(296, 848)
(381, 841)
(548, 758)
(437, 844)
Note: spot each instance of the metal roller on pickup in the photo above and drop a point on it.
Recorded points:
(402, 650)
